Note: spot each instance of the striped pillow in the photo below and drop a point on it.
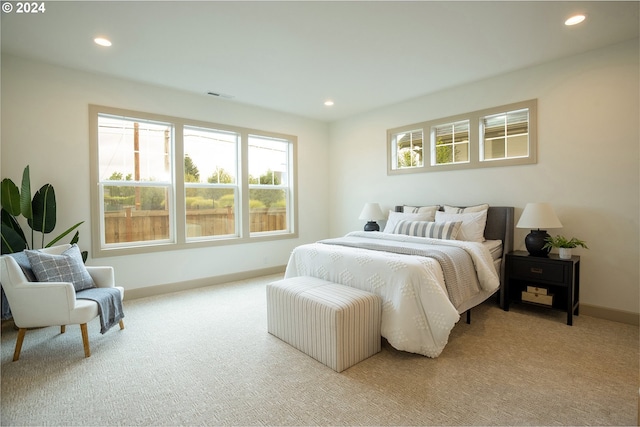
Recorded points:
(437, 230)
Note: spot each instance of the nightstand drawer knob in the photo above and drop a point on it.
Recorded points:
(536, 270)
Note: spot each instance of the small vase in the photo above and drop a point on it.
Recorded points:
(564, 253)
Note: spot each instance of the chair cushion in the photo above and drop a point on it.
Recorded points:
(66, 267)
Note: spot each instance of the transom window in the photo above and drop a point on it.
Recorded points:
(450, 143)
(162, 183)
(505, 135)
(500, 136)
(407, 149)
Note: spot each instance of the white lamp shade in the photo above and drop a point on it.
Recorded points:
(371, 212)
(538, 216)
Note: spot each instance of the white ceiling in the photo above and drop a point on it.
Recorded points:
(291, 56)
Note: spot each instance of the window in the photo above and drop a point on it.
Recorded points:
(505, 135)
(163, 183)
(210, 181)
(407, 149)
(269, 194)
(134, 180)
(450, 143)
(500, 136)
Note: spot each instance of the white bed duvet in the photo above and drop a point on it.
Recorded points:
(417, 315)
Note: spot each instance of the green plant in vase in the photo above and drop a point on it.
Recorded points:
(564, 245)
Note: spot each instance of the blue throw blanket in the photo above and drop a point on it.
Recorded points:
(109, 305)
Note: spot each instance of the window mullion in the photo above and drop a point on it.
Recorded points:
(180, 217)
(243, 185)
(474, 141)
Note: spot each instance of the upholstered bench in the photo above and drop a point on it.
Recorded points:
(337, 325)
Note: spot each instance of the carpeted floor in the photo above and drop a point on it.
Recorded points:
(204, 357)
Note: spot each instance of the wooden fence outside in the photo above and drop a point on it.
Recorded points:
(130, 225)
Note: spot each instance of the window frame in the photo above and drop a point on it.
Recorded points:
(180, 239)
(475, 141)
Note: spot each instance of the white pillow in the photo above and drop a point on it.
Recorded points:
(395, 217)
(473, 224)
(431, 210)
(468, 209)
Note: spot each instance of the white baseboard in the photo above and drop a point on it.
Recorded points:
(167, 288)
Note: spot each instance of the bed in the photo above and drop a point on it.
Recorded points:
(426, 278)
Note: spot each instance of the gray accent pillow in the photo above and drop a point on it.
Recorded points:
(23, 261)
(66, 267)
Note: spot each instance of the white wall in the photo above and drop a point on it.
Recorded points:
(45, 125)
(588, 162)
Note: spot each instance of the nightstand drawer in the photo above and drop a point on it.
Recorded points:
(523, 269)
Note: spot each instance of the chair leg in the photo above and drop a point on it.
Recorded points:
(16, 353)
(121, 324)
(85, 340)
(63, 329)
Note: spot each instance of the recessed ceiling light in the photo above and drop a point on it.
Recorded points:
(328, 103)
(574, 20)
(102, 41)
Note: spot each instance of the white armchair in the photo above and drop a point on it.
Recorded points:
(41, 304)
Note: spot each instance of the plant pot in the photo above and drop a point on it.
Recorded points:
(564, 253)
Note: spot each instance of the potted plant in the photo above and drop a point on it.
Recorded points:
(38, 212)
(564, 245)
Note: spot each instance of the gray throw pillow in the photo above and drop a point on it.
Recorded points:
(66, 267)
(25, 265)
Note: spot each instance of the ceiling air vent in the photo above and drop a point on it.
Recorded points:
(220, 95)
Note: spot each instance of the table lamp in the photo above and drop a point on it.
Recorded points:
(371, 213)
(538, 217)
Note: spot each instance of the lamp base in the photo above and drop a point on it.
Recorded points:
(535, 242)
(371, 226)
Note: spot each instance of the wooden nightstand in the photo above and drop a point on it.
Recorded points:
(560, 276)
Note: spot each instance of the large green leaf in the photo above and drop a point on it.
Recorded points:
(12, 242)
(74, 239)
(44, 210)
(10, 196)
(25, 195)
(11, 222)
